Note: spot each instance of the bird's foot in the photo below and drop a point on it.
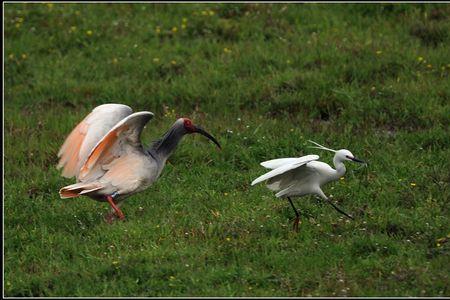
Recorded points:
(121, 215)
(117, 210)
(109, 218)
(296, 223)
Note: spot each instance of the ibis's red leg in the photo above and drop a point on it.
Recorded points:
(115, 207)
(297, 216)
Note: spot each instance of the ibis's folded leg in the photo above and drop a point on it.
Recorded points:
(297, 215)
(116, 208)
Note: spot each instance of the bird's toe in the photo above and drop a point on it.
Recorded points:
(109, 218)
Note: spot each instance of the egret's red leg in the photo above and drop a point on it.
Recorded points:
(114, 206)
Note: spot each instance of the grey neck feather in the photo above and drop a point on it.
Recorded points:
(165, 146)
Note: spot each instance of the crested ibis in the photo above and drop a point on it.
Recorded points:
(105, 154)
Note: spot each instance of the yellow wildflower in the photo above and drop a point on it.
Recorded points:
(11, 56)
(50, 5)
(158, 30)
(24, 56)
(156, 60)
(115, 262)
(211, 13)
(288, 61)
(429, 66)
(89, 32)
(379, 52)
(18, 25)
(184, 20)
(115, 60)
(183, 26)
(225, 194)
(172, 277)
(174, 29)
(73, 28)
(342, 178)
(228, 239)
(413, 184)
(226, 50)
(420, 59)
(173, 62)
(204, 12)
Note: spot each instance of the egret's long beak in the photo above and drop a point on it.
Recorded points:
(358, 160)
(200, 130)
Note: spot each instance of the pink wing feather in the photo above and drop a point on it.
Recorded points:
(122, 139)
(87, 134)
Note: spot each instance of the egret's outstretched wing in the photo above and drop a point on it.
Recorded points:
(276, 163)
(122, 139)
(87, 134)
(285, 168)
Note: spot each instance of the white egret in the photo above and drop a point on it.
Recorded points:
(299, 176)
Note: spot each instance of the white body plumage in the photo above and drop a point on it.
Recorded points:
(295, 177)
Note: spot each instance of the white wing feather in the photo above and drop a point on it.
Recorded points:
(276, 163)
(286, 167)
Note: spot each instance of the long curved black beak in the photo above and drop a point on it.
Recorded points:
(358, 160)
(200, 130)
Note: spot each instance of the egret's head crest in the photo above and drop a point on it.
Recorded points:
(318, 146)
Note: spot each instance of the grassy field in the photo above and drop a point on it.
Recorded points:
(263, 79)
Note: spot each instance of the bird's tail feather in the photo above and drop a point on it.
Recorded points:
(78, 189)
(284, 192)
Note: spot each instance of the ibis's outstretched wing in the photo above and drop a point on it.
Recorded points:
(276, 163)
(87, 134)
(122, 139)
(291, 163)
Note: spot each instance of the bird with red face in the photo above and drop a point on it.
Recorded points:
(105, 154)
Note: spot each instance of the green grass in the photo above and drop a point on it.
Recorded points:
(263, 79)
